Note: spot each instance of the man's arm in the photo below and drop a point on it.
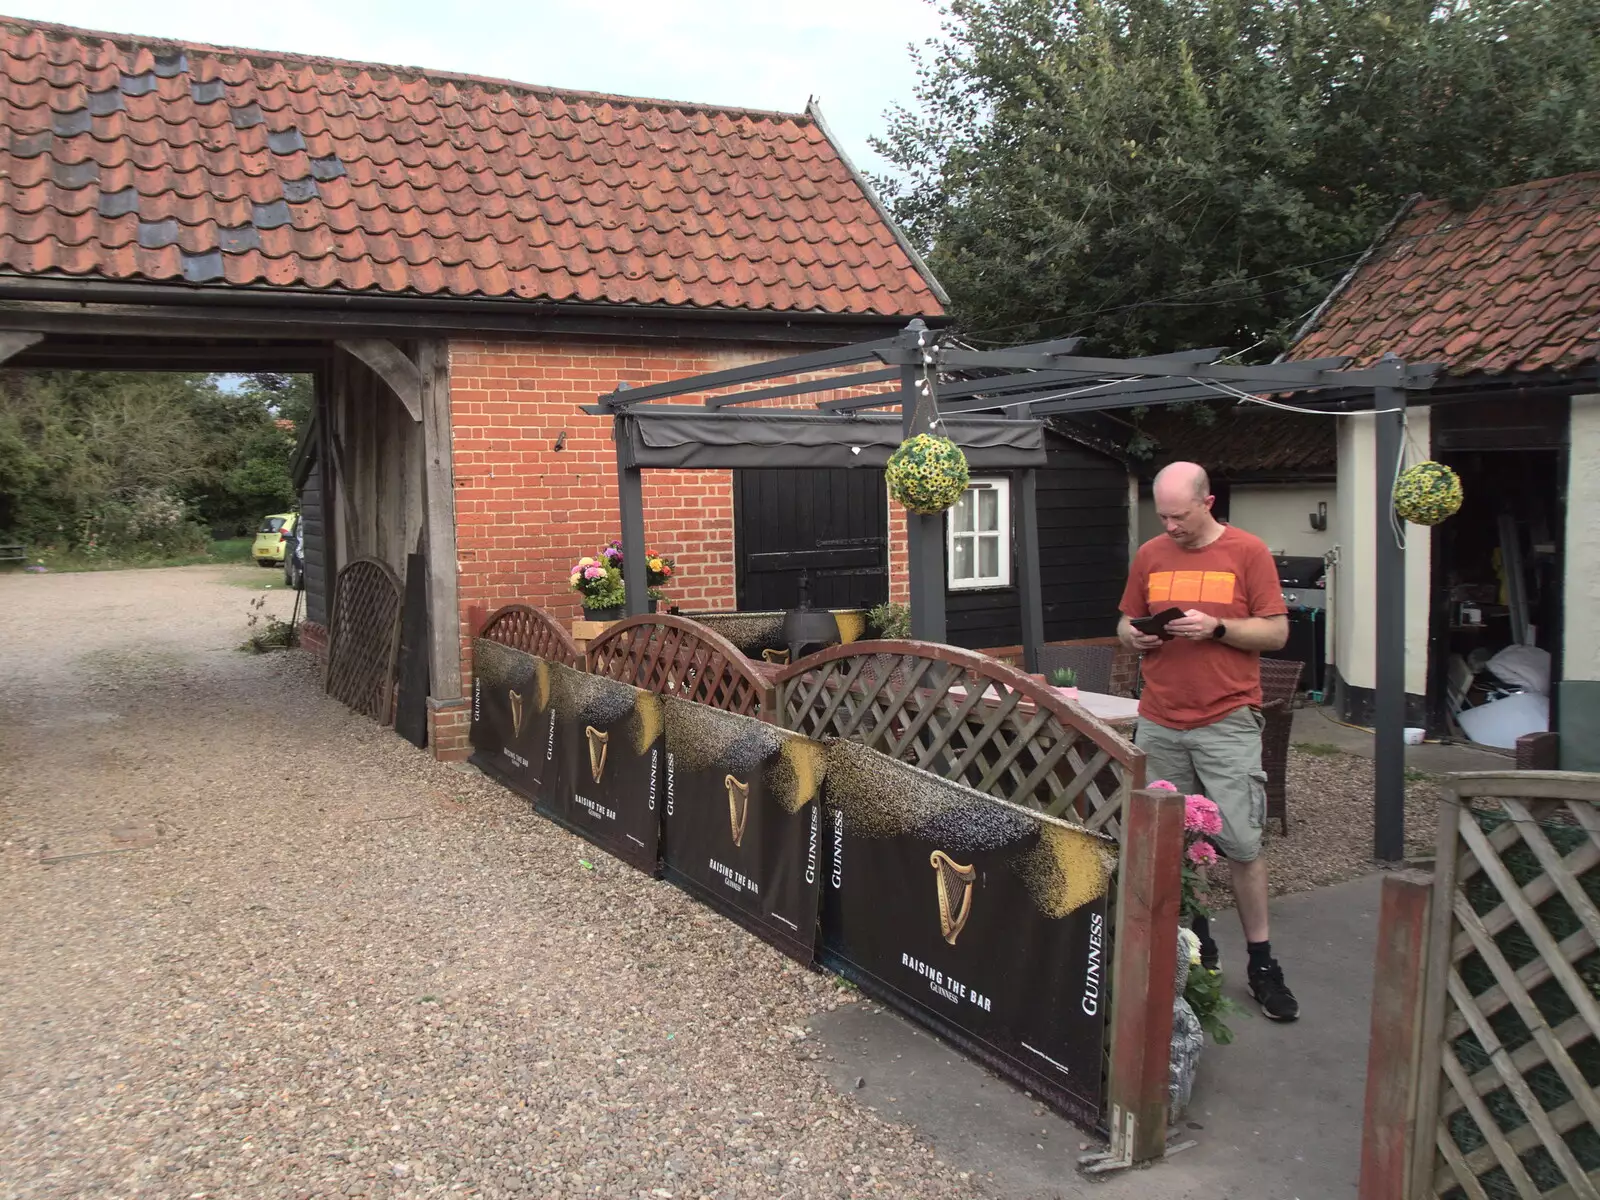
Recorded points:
(1243, 633)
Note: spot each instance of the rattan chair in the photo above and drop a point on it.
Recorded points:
(1091, 664)
(1280, 681)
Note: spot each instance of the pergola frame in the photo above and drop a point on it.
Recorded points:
(1026, 384)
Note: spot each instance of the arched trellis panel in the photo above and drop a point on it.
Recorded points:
(967, 718)
(533, 631)
(364, 638)
(675, 657)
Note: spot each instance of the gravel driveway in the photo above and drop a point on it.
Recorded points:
(252, 945)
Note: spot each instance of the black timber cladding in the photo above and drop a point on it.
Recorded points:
(1083, 555)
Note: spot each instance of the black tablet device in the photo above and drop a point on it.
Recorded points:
(1157, 623)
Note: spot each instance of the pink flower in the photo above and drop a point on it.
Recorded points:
(594, 572)
(1161, 785)
(1201, 853)
(1200, 815)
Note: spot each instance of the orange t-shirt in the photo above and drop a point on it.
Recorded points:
(1187, 683)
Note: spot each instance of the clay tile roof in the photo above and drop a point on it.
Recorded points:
(1247, 439)
(1511, 286)
(140, 160)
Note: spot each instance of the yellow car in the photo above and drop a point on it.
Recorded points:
(273, 539)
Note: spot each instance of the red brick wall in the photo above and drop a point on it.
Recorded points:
(314, 637)
(526, 512)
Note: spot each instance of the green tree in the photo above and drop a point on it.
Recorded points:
(1164, 173)
(128, 460)
(78, 448)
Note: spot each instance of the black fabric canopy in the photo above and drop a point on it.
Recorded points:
(784, 438)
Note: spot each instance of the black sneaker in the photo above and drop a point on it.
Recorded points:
(1210, 954)
(1276, 1000)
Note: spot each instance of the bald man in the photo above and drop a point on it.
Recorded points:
(1200, 711)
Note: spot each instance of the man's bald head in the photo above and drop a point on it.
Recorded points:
(1181, 481)
(1183, 502)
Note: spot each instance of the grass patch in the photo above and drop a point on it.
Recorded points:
(1415, 776)
(232, 550)
(1318, 749)
(229, 551)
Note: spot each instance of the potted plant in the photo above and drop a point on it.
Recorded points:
(600, 585)
(889, 620)
(1203, 988)
(659, 571)
(1066, 679)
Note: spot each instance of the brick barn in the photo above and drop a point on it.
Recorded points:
(461, 263)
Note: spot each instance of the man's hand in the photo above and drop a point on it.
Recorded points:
(1194, 625)
(1133, 639)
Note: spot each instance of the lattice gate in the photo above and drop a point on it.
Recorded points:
(1510, 1038)
(967, 718)
(364, 638)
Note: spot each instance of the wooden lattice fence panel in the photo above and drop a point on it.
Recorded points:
(968, 718)
(364, 638)
(672, 656)
(533, 631)
(1508, 1105)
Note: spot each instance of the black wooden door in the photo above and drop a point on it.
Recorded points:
(832, 523)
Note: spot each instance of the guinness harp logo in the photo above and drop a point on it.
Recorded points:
(738, 807)
(955, 893)
(516, 712)
(597, 750)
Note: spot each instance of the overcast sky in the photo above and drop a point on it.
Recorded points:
(851, 54)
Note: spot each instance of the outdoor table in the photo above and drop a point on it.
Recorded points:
(1119, 712)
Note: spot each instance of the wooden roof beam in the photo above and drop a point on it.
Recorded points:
(391, 365)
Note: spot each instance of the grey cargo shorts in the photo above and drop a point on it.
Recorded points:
(1221, 761)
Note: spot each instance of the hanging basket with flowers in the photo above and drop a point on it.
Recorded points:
(1427, 493)
(927, 474)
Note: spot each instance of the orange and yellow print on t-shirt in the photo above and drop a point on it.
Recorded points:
(1190, 587)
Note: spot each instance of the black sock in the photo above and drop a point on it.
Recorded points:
(1260, 955)
(1202, 930)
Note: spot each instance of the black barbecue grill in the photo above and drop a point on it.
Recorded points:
(1304, 580)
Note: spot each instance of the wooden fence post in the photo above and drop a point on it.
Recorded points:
(1144, 977)
(1394, 1049)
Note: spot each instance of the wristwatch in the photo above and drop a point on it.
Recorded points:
(1220, 632)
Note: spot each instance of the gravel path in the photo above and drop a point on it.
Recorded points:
(253, 946)
(1330, 801)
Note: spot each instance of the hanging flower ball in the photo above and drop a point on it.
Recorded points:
(1427, 493)
(927, 474)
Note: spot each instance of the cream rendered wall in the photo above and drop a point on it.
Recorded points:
(1149, 525)
(1581, 653)
(1355, 594)
(1278, 514)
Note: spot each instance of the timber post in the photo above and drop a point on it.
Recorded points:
(1394, 1048)
(1144, 974)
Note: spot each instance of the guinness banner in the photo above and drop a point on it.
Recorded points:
(979, 918)
(510, 703)
(744, 821)
(602, 763)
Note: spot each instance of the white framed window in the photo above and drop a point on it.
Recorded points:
(979, 533)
